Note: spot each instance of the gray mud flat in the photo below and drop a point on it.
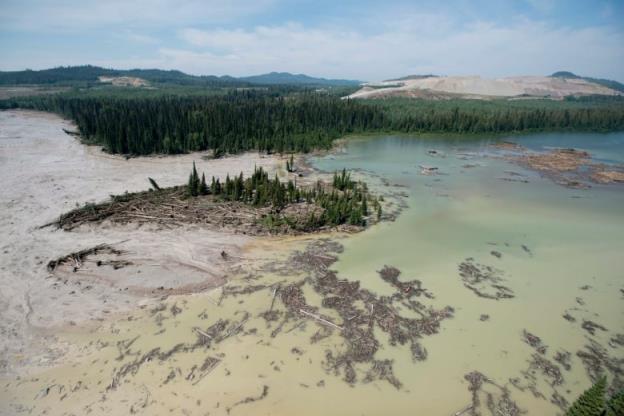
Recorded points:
(47, 172)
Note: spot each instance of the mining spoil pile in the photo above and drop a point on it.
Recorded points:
(477, 87)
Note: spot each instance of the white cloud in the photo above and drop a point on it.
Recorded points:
(379, 44)
(522, 47)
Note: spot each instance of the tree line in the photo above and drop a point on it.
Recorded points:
(245, 120)
(502, 116)
(232, 123)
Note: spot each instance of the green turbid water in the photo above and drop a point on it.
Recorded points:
(558, 250)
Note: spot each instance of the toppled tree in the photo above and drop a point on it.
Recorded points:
(154, 184)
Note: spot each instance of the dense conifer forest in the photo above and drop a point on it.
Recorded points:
(298, 120)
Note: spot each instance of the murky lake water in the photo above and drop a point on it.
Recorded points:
(558, 250)
(575, 238)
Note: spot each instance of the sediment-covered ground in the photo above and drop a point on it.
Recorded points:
(568, 167)
(46, 173)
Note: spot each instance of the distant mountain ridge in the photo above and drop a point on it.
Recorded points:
(609, 83)
(296, 79)
(409, 77)
(91, 74)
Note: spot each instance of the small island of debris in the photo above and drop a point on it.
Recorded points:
(255, 205)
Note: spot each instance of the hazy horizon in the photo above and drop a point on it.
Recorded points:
(351, 40)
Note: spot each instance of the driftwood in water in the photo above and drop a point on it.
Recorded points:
(318, 318)
(265, 393)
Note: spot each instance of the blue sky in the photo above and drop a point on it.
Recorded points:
(366, 40)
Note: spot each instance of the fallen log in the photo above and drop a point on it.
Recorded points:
(464, 410)
(318, 318)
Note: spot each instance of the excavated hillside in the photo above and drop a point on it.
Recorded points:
(476, 87)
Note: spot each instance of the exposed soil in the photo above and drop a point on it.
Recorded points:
(477, 87)
(56, 172)
(607, 176)
(568, 167)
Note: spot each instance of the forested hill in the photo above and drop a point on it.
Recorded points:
(90, 74)
(256, 120)
(601, 81)
(286, 78)
(71, 75)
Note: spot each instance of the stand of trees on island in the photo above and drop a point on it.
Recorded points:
(299, 122)
(347, 202)
(252, 205)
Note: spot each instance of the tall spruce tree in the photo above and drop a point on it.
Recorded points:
(193, 183)
(615, 405)
(203, 186)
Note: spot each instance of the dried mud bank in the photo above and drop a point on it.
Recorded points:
(47, 172)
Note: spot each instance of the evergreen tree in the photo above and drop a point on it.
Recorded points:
(340, 207)
(343, 180)
(591, 402)
(131, 123)
(203, 187)
(193, 182)
(615, 405)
